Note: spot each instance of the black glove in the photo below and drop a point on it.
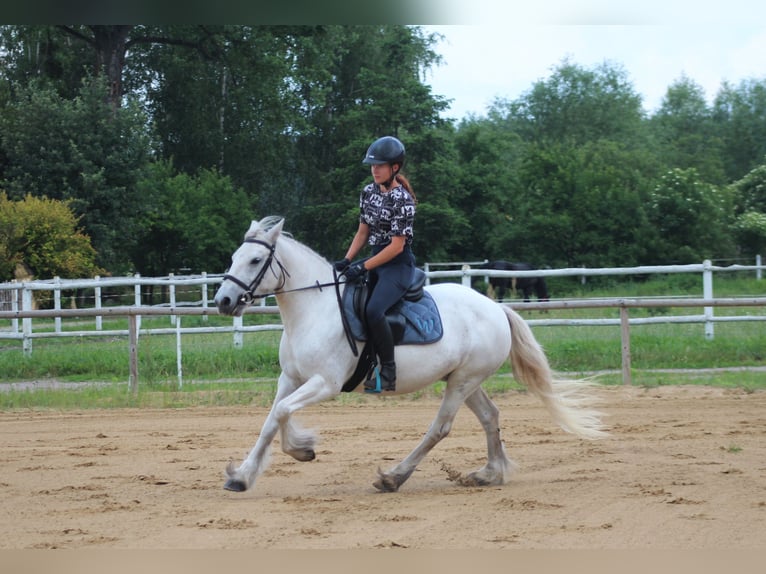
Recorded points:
(341, 266)
(355, 271)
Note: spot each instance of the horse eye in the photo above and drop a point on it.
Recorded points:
(255, 261)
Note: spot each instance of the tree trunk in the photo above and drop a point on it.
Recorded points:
(111, 45)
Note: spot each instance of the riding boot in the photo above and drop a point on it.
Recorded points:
(383, 342)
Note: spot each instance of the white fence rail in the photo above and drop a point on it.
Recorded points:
(19, 305)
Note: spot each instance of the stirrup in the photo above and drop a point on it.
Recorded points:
(374, 383)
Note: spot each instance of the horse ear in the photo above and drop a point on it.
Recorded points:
(276, 229)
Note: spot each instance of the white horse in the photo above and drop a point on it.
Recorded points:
(316, 358)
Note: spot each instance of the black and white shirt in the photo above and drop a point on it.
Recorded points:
(388, 213)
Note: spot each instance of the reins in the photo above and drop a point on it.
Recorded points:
(249, 290)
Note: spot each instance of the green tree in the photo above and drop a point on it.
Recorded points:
(580, 170)
(44, 235)
(684, 132)
(489, 156)
(576, 105)
(750, 229)
(64, 55)
(81, 151)
(583, 205)
(690, 218)
(372, 87)
(749, 196)
(739, 113)
(192, 222)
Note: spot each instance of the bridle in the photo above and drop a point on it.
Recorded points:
(248, 296)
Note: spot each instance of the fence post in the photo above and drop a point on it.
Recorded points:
(237, 324)
(707, 293)
(57, 302)
(179, 362)
(15, 308)
(137, 300)
(625, 341)
(133, 342)
(172, 294)
(466, 280)
(97, 295)
(26, 323)
(204, 295)
(426, 269)
(758, 263)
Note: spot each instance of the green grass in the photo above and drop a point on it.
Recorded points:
(217, 373)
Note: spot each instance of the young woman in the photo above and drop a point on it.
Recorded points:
(387, 215)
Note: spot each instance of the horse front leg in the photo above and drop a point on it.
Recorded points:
(243, 477)
(296, 442)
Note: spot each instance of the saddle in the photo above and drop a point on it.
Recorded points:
(414, 320)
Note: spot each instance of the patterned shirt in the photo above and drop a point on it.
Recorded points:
(388, 214)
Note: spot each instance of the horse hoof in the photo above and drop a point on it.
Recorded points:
(235, 485)
(385, 484)
(304, 455)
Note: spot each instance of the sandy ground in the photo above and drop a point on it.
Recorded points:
(685, 468)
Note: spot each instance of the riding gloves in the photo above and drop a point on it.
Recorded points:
(342, 265)
(355, 271)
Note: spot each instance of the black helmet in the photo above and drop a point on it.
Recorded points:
(387, 149)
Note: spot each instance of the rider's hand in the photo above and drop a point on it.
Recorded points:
(355, 271)
(342, 265)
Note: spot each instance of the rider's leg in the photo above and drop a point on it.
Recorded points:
(383, 340)
(391, 282)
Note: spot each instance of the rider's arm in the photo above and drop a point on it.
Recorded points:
(360, 239)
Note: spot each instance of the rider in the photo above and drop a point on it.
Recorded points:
(387, 214)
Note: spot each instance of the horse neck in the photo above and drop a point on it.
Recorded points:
(304, 269)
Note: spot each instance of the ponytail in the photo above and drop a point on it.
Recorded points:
(405, 183)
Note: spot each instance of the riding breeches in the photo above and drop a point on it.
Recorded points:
(389, 282)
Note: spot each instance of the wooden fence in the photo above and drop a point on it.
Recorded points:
(22, 308)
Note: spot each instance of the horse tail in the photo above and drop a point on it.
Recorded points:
(566, 399)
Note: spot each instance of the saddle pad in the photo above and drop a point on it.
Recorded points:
(422, 322)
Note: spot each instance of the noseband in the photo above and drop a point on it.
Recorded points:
(249, 295)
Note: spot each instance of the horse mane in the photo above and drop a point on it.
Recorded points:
(268, 223)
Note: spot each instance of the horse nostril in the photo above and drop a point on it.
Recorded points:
(224, 302)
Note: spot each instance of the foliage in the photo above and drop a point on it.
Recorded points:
(578, 197)
(81, 151)
(751, 231)
(577, 105)
(685, 134)
(43, 235)
(691, 218)
(153, 131)
(739, 114)
(190, 223)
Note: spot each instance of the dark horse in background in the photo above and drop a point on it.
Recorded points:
(526, 285)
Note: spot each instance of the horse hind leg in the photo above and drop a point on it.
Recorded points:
(499, 467)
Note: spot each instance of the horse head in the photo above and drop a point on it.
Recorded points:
(252, 274)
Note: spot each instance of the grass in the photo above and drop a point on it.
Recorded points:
(217, 373)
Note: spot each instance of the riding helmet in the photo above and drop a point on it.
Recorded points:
(387, 149)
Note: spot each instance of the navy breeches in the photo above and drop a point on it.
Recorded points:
(389, 283)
